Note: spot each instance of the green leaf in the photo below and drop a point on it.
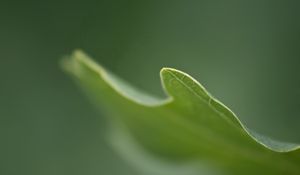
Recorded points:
(189, 125)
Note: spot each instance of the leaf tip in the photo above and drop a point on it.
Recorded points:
(172, 81)
(164, 77)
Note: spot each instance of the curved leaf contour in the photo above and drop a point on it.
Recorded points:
(189, 125)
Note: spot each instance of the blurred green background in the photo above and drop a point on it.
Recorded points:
(246, 53)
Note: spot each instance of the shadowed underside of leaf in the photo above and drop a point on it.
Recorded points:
(189, 125)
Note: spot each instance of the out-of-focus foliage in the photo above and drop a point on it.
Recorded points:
(245, 52)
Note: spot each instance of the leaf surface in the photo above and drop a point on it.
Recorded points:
(189, 125)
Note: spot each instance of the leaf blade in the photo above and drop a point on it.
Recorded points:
(208, 129)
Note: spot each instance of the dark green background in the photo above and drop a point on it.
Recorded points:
(246, 53)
